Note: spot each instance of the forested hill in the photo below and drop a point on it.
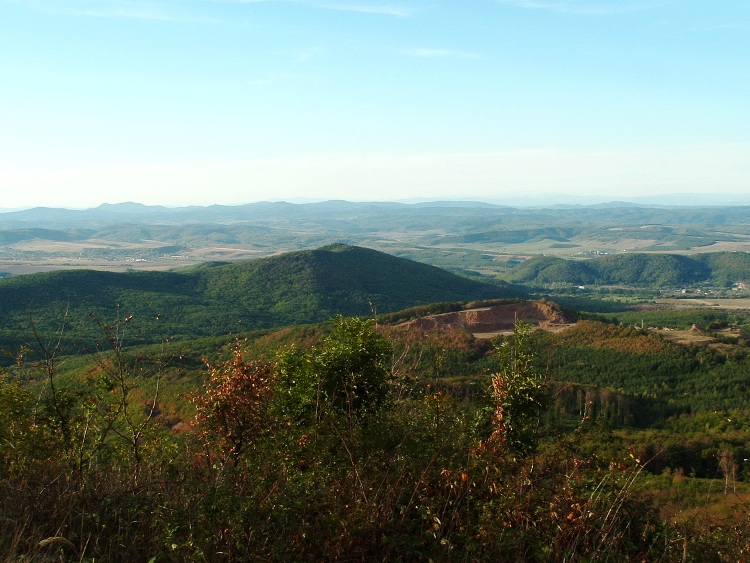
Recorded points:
(221, 298)
(638, 270)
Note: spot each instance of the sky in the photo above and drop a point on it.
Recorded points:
(200, 102)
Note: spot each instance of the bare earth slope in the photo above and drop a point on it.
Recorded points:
(489, 321)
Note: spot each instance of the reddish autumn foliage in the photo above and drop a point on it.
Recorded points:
(233, 407)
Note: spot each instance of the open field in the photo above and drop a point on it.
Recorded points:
(740, 303)
(462, 236)
(119, 256)
(686, 337)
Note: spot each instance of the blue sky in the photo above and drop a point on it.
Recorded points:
(231, 101)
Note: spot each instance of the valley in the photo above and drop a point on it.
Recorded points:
(262, 389)
(468, 237)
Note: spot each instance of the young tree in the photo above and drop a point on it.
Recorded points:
(519, 393)
(19, 436)
(346, 374)
(122, 376)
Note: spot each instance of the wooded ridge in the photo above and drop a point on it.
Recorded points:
(722, 269)
(223, 298)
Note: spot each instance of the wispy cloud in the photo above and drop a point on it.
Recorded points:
(376, 7)
(737, 25)
(380, 8)
(440, 53)
(123, 9)
(588, 7)
(181, 12)
(274, 78)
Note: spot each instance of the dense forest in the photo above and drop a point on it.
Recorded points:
(722, 269)
(365, 436)
(228, 297)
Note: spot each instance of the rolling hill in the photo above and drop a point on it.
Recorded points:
(222, 298)
(458, 236)
(636, 270)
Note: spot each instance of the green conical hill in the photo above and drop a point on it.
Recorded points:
(222, 298)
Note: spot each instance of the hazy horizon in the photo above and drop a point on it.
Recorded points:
(540, 201)
(234, 101)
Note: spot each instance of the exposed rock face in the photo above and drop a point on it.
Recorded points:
(495, 319)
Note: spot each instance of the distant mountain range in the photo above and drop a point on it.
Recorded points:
(108, 214)
(540, 200)
(358, 216)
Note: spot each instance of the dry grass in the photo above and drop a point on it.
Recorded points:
(742, 303)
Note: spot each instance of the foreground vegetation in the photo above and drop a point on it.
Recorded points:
(356, 442)
(181, 423)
